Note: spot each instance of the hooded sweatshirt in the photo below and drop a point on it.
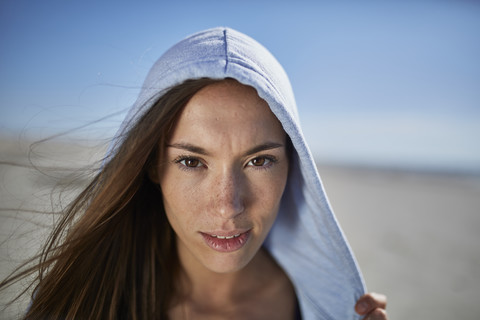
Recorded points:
(306, 239)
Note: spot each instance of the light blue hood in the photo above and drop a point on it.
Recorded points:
(306, 239)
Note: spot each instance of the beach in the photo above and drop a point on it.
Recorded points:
(415, 234)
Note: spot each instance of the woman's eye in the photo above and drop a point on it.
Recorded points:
(191, 163)
(259, 162)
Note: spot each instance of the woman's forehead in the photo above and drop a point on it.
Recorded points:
(228, 97)
(230, 113)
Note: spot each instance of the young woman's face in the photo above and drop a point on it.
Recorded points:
(222, 176)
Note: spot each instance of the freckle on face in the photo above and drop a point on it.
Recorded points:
(226, 195)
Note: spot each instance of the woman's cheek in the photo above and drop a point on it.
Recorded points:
(184, 197)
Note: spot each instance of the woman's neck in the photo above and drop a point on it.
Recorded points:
(260, 290)
(205, 287)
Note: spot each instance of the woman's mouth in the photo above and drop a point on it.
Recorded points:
(227, 242)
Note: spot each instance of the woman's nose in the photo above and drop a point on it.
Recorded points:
(229, 195)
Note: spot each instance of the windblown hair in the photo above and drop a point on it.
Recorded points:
(113, 253)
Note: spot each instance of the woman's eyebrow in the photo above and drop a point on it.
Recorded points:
(189, 147)
(196, 149)
(263, 147)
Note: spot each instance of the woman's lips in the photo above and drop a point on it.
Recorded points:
(226, 242)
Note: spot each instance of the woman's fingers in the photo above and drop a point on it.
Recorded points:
(377, 314)
(372, 304)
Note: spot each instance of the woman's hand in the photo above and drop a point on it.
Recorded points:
(372, 306)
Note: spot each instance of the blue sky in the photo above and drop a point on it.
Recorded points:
(394, 83)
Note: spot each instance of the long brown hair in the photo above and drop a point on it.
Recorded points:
(113, 253)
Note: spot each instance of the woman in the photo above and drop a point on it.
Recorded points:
(208, 205)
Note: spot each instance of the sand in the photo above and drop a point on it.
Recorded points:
(416, 235)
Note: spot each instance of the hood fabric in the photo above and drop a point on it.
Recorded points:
(306, 239)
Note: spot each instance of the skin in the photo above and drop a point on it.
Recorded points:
(223, 172)
(372, 306)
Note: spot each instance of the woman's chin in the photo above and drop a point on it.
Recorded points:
(226, 262)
